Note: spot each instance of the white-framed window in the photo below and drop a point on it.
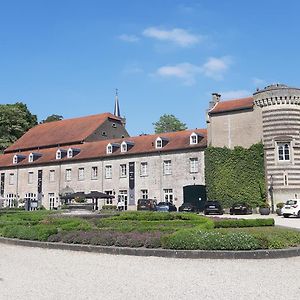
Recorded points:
(123, 170)
(194, 165)
(52, 176)
(144, 169)
(30, 177)
(283, 151)
(158, 143)
(80, 173)
(51, 197)
(168, 195)
(30, 158)
(144, 194)
(167, 167)
(15, 159)
(109, 201)
(58, 154)
(68, 175)
(108, 172)
(11, 180)
(70, 153)
(124, 147)
(109, 149)
(94, 173)
(193, 138)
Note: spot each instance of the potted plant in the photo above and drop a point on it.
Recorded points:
(264, 209)
(279, 206)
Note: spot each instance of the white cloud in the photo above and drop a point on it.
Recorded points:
(216, 67)
(183, 71)
(235, 94)
(128, 38)
(178, 36)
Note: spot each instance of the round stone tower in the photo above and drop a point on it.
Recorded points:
(280, 106)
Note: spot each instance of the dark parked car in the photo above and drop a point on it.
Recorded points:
(166, 206)
(213, 207)
(146, 204)
(188, 207)
(240, 209)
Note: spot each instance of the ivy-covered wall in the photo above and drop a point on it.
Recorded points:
(235, 175)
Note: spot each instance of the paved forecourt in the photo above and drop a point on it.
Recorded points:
(34, 273)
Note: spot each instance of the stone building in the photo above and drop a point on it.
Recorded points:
(271, 116)
(95, 153)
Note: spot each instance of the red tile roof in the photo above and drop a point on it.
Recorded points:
(91, 150)
(232, 105)
(60, 132)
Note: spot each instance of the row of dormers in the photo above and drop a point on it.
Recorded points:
(125, 146)
(160, 142)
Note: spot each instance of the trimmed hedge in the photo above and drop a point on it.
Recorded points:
(235, 175)
(238, 223)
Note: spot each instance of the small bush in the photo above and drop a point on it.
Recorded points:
(238, 223)
(109, 207)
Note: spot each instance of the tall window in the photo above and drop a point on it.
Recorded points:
(108, 172)
(144, 169)
(94, 172)
(283, 151)
(109, 201)
(81, 174)
(194, 166)
(167, 167)
(144, 194)
(30, 177)
(68, 175)
(168, 195)
(11, 178)
(123, 170)
(52, 176)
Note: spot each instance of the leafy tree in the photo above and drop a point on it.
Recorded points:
(52, 118)
(168, 123)
(15, 120)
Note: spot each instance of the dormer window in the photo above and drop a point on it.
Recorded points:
(193, 138)
(17, 158)
(125, 146)
(60, 153)
(110, 148)
(33, 156)
(72, 152)
(160, 142)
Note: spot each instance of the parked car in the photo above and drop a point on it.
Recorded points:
(291, 208)
(188, 207)
(240, 208)
(146, 204)
(213, 207)
(166, 206)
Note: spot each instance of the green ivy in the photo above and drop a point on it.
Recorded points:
(235, 175)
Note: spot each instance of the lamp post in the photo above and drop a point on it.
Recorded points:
(271, 193)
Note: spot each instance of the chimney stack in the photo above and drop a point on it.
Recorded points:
(214, 100)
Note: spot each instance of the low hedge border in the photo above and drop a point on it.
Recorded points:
(190, 254)
(240, 223)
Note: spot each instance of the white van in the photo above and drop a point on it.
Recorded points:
(291, 208)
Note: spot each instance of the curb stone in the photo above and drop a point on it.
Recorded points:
(190, 254)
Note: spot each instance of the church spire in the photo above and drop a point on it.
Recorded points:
(117, 108)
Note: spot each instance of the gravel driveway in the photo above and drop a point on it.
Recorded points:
(33, 273)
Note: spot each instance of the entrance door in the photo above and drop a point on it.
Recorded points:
(51, 200)
(195, 194)
(123, 196)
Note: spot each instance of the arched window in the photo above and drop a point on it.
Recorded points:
(283, 151)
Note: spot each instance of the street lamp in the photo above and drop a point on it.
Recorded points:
(271, 193)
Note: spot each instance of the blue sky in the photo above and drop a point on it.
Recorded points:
(67, 57)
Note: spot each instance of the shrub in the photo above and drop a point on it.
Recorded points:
(109, 207)
(280, 205)
(238, 223)
(210, 240)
